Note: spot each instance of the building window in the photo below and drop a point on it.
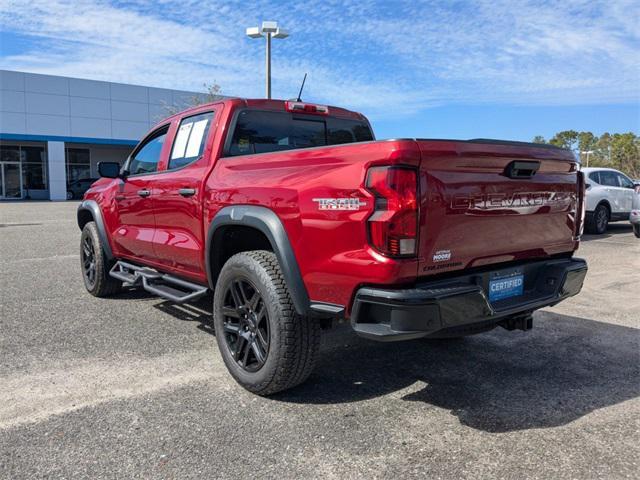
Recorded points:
(22, 166)
(34, 172)
(78, 164)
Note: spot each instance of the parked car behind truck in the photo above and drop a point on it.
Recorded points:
(634, 218)
(609, 198)
(295, 217)
(77, 188)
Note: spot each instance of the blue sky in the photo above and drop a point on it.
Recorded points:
(454, 69)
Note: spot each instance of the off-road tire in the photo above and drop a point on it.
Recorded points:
(595, 223)
(294, 340)
(102, 284)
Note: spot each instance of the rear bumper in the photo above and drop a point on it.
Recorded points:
(461, 302)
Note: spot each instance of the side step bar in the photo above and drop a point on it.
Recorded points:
(160, 284)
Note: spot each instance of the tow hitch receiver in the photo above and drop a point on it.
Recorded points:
(161, 284)
(520, 322)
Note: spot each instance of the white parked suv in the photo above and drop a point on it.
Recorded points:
(609, 198)
(634, 218)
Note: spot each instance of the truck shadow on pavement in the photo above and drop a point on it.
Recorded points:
(563, 369)
(198, 311)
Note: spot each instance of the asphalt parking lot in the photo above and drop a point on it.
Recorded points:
(134, 387)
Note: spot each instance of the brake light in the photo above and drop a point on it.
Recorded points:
(393, 226)
(302, 107)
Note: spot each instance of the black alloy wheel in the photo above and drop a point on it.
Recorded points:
(264, 343)
(89, 261)
(95, 265)
(246, 325)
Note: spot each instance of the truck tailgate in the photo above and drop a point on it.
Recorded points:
(485, 202)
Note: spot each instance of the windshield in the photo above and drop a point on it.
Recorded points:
(261, 132)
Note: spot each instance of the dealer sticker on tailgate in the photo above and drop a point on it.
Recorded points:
(505, 284)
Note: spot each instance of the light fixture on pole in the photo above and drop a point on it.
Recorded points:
(587, 153)
(268, 30)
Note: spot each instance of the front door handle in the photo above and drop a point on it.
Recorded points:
(187, 192)
(144, 192)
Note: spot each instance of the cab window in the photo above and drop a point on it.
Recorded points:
(595, 176)
(146, 157)
(264, 131)
(190, 140)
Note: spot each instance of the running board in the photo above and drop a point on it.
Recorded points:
(160, 284)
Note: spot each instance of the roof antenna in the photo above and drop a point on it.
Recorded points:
(301, 87)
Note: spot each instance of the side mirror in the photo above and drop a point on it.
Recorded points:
(109, 169)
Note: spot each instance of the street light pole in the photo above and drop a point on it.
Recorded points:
(268, 66)
(268, 30)
(587, 153)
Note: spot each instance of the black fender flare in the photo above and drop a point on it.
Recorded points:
(92, 207)
(267, 222)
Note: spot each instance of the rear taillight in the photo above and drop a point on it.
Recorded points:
(393, 226)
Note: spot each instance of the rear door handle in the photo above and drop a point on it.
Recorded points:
(187, 192)
(144, 192)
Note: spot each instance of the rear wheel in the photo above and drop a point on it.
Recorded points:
(599, 221)
(94, 264)
(636, 229)
(265, 345)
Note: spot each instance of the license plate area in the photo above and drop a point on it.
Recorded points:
(505, 284)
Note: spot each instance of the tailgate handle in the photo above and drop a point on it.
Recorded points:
(521, 169)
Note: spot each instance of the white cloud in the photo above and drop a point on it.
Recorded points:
(382, 58)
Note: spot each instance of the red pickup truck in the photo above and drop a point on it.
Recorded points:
(296, 217)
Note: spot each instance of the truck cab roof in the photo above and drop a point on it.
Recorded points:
(277, 105)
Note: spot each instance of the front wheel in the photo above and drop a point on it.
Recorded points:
(94, 264)
(636, 229)
(265, 345)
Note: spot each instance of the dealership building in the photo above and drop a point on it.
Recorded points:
(54, 130)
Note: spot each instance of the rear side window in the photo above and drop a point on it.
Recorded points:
(610, 179)
(261, 132)
(595, 176)
(190, 140)
(347, 131)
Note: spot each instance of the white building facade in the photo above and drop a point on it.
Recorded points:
(54, 130)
